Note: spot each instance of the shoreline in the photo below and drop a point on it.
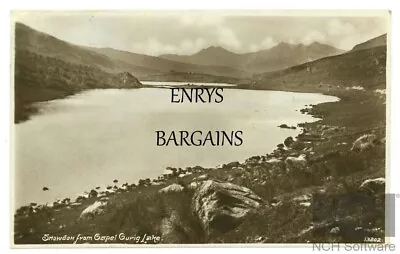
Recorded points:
(192, 86)
(313, 142)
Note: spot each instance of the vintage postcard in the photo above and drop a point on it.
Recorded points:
(200, 127)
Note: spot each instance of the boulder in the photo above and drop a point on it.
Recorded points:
(221, 206)
(94, 209)
(302, 198)
(202, 177)
(298, 145)
(193, 185)
(93, 193)
(288, 141)
(175, 228)
(172, 188)
(329, 130)
(285, 126)
(232, 164)
(169, 229)
(298, 163)
(305, 204)
(277, 166)
(252, 161)
(374, 186)
(309, 137)
(334, 231)
(81, 198)
(364, 142)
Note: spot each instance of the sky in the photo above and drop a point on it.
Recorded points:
(187, 32)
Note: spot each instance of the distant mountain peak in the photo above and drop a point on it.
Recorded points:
(313, 44)
(282, 44)
(316, 43)
(215, 49)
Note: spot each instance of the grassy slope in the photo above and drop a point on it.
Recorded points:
(47, 68)
(41, 78)
(364, 68)
(375, 42)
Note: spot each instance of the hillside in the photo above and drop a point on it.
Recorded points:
(28, 39)
(47, 68)
(365, 68)
(375, 42)
(285, 55)
(278, 57)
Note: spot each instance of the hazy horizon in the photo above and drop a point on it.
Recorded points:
(186, 33)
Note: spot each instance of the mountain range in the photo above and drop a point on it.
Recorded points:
(212, 60)
(108, 59)
(281, 56)
(48, 68)
(363, 66)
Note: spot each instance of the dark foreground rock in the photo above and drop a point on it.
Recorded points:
(221, 206)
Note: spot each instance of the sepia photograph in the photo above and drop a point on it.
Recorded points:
(160, 127)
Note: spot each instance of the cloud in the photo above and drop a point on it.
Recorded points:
(224, 35)
(189, 31)
(267, 43)
(347, 35)
(192, 46)
(313, 36)
(338, 27)
(155, 48)
(227, 37)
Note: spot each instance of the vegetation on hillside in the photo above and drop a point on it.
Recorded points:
(374, 42)
(41, 78)
(365, 68)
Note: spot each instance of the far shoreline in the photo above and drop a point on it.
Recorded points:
(30, 109)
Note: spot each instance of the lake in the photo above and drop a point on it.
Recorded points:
(94, 137)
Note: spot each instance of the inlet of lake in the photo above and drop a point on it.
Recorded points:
(89, 139)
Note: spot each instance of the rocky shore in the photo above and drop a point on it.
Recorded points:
(325, 185)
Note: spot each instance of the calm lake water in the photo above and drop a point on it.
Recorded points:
(94, 137)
